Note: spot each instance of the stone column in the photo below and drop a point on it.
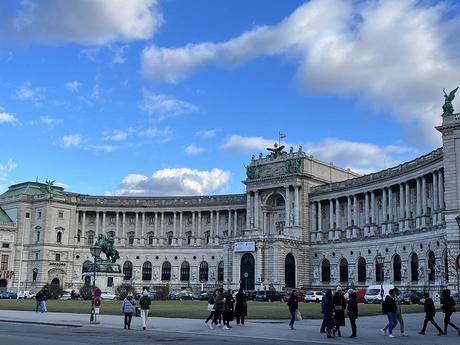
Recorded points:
(117, 226)
(288, 207)
(83, 225)
(319, 236)
(373, 214)
(407, 200)
(313, 222)
(103, 221)
(229, 223)
(156, 228)
(256, 209)
(235, 223)
(136, 226)
(296, 205)
(355, 216)
(194, 234)
(338, 227)
(211, 228)
(199, 230)
(418, 203)
(401, 207)
(143, 229)
(384, 211)
(390, 204)
(97, 223)
(181, 226)
(435, 198)
(248, 211)
(441, 191)
(424, 206)
(162, 225)
(331, 219)
(123, 227)
(258, 263)
(366, 210)
(175, 235)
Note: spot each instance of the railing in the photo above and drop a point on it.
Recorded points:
(8, 224)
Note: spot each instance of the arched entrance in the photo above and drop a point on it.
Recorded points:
(3, 284)
(55, 282)
(289, 271)
(247, 276)
(275, 213)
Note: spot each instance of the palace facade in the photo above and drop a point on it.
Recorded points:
(301, 223)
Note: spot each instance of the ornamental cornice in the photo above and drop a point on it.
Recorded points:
(379, 176)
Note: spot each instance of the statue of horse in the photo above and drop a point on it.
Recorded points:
(106, 244)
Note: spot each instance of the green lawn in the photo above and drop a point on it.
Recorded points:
(194, 309)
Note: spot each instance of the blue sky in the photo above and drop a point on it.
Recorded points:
(147, 97)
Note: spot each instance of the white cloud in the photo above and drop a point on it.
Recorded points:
(9, 118)
(103, 148)
(360, 157)
(50, 121)
(26, 92)
(162, 106)
(73, 86)
(238, 143)
(192, 149)
(119, 56)
(392, 55)
(7, 168)
(164, 134)
(117, 135)
(207, 134)
(71, 140)
(180, 181)
(83, 21)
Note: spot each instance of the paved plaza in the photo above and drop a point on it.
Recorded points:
(22, 327)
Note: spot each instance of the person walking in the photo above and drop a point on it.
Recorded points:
(241, 307)
(390, 308)
(430, 312)
(293, 305)
(229, 309)
(46, 295)
(339, 309)
(211, 302)
(352, 311)
(127, 308)
(219, 307)
(399, 317)
(448, 307)
(328, 313)
(39, 301)
(145, 303)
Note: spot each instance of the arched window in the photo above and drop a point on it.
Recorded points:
(289, 271)
(90, 240)
(343, 270)
(127, 270)
(203, 271)
(147, 271)
(431, 266)
(397, 268)
(414, 268)
(86, 266)
(59, 237)
(131, 238)
(362, 270)
(185, 271)
(220, 271)
(166, 271)
(326, 271)
(378, 271)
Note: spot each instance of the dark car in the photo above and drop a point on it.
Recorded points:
(411, 297)
(268, 296)
(8, 295)
(251, 295)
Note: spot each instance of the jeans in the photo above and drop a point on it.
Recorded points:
(291, 324)
(144, 316)
(392, 322)
(128, 317)
(433, 322)
(447, 322)
(401, 323)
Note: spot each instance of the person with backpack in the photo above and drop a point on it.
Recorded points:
(352, 311)
(145, 303)
(448, 307)
(323, 324)
(389, 308)
(430, 312)
(211, 302)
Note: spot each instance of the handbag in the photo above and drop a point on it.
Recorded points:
(298, 316)
(210, 307)
(453, 309)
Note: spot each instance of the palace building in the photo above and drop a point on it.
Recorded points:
(301, 223)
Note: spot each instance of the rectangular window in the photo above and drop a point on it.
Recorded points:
(112, 220)
(36, 256)
(27, 215)
(4, 263)
(39, 214)
(58, 257)
(61, 214)
(5, 245)
(109, 281)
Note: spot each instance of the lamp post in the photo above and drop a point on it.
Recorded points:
(380, 260)
(95, 252)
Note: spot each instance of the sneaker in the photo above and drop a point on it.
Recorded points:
(422, 333)
(391, 336)
(330, 336)
(225, 327)
(383, 331)
(229, 326)
(404, 335)
(210, 325)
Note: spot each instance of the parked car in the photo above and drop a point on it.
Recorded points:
(65, 296)
(313, 296)
(374, 293)
(108, 295)
(202, 295)
(455, 297)
(411, 297)
(185, 295)
(268, 296)
(26, 295)
(8, 295)
(300, 296)
(251, 295)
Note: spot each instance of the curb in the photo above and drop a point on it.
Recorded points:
(42, 323)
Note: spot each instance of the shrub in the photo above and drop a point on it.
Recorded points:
(86, 292)
(123, 290)
(161, 292)
(55, 291)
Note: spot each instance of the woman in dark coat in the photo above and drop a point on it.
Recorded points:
(241, 306)
(448, 305)
(352, 311)
(219, 306)
(329, 313)
(339, 308)
(293, 305)
(229, 308)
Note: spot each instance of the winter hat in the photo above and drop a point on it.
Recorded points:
(145, 293)
(339, 289)
(350, 291)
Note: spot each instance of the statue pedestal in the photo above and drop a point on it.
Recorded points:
(108, 276)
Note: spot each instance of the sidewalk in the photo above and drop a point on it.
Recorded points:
(306, 330)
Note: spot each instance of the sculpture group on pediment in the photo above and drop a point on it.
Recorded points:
(252, 171)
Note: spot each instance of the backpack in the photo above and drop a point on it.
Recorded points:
(211, 300)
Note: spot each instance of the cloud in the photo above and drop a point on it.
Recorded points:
(73, 86)
(208, 134)
(9, 118)
(50, 121)
(26, 92)
(192, 149)
(7, 168)
(117, 135)
(360, 157)
(164, 134)
(119, 56)
(103, 148)
(180, 181)
(163, 106)
(83, 21)
(71, 140)
(238, 143)
(391, 55)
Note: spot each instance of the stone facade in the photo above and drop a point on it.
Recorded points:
(301, 223)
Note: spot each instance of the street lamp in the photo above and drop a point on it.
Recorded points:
(380, 260)
(95, 252)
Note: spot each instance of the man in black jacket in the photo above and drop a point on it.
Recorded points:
(352, 311)
(430, 312)
(390, 308)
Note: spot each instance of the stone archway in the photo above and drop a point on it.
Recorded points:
(3, 284)
(275, 213)
(289, 271)
(247, 276)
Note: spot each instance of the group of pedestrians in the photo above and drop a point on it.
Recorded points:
(128, 309)
(223, 308)
(41, 297)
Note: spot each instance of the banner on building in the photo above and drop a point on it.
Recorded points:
(244, 246)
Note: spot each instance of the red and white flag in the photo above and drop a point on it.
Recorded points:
(282, 135)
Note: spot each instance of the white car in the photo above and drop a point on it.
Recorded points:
(26, 294)
(313, 296)
(65, 296)
(108, 295)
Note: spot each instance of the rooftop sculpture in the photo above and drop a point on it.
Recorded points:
(448, 108)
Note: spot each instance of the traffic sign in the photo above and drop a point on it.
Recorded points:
(457, 261)
(97, 292)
